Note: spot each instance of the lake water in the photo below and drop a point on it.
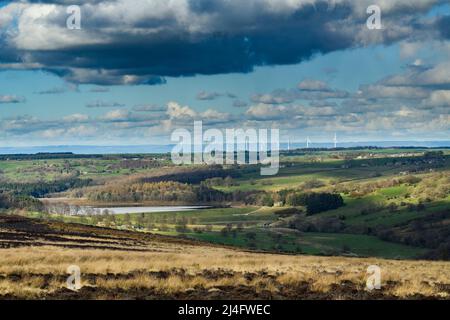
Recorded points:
(123, 210)
(67, 209)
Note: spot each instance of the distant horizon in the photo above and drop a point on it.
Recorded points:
(171, 144)
(165, 148)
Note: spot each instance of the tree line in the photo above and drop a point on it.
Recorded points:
(166, 191)
(43, 188)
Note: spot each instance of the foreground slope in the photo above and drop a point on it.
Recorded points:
(35, 255)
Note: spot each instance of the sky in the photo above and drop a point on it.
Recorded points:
(139, 69)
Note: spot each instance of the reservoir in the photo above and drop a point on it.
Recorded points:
(123, 210)
(70, 209)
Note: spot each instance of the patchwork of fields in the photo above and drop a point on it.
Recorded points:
(258, 238)
(386, 193)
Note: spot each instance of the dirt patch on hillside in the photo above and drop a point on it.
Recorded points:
(17, 231)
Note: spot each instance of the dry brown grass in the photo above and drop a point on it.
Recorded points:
(36, 272)
(128, 265)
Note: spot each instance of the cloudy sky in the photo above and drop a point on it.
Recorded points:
(138, 69)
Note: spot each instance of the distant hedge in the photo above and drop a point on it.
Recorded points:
(43, 188)
(314, 202)
(319, 202)
(288, 211)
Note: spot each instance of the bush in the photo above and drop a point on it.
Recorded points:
(267, 201)
(8, 200)
(250, 235)
(319, 202)
(288, 212)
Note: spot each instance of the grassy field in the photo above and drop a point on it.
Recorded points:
(314, 243)
(261, 228)
(51, 169)
(247, 230)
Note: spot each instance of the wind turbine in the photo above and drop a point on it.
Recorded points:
(308, 142)
(335, 140)
(289, 144)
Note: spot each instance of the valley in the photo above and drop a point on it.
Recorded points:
(141, 228)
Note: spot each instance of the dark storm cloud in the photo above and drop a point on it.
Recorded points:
(141, 42)
(444, 26)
